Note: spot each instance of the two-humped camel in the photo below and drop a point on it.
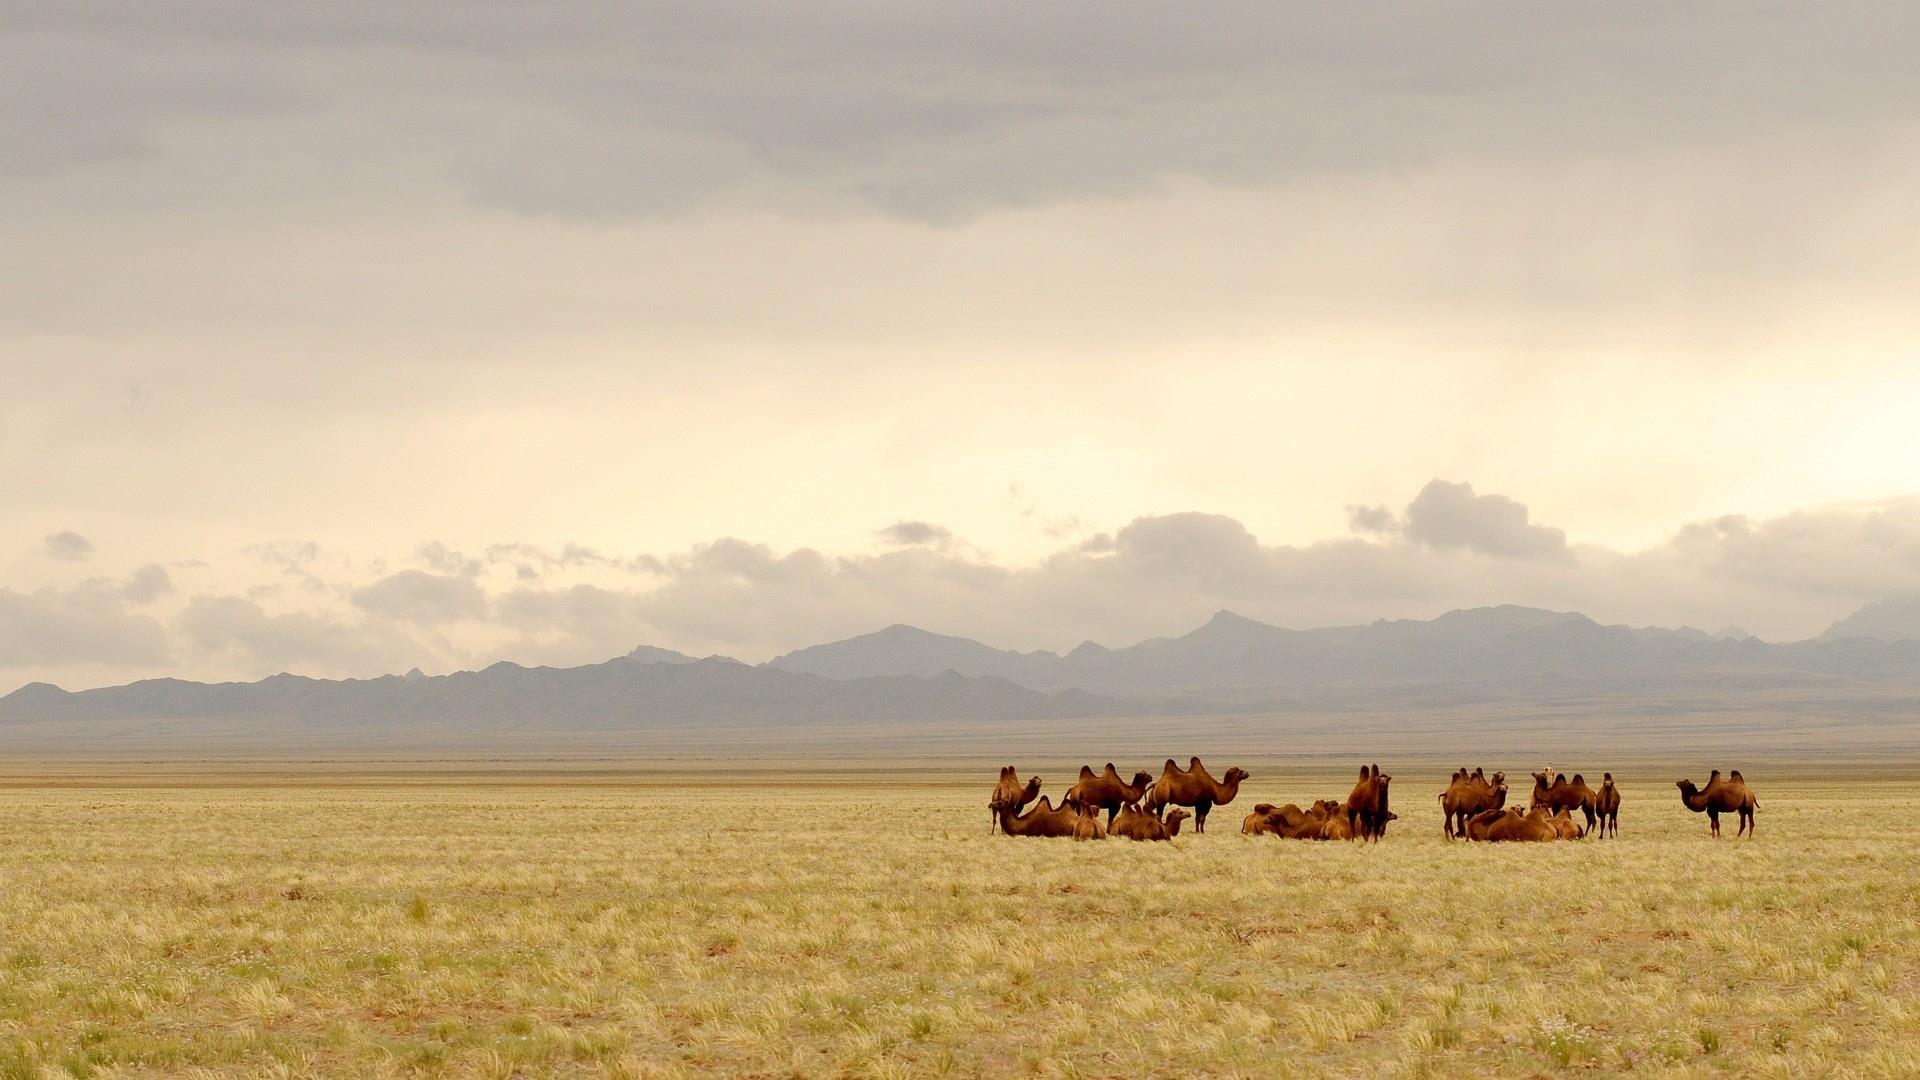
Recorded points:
(1367, 804)
(1722, 797)
(1559, 793)
(1136, 824)
(1106, 791)
(1606, 805)
(1193, 786)
(1009, 793)
(1469, 794)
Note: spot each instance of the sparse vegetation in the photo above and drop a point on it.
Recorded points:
(368, 925)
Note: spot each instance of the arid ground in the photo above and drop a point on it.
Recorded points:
(531, 920)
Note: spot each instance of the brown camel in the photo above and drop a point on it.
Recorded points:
(1042, 820)
(1512, 825)
(1192, 786)
(1008, 792)
(1367, 804)
(1136, 824)
(1721, 797)
(1106, 791)
(1086, 821)
(1606, 804)
(1337, 828)
(1564, 825)
(1289, 822)
(1559, 793)
(1470, 793)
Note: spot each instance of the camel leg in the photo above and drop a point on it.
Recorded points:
(1713, 823)
(1200, 815)
(1112, 812)
(1588, 810)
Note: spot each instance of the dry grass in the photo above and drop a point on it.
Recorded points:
(819, 929)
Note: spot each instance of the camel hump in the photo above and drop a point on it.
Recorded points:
(1086, 772)
(1193, 764)
(1364, 774)
(1578, 779)
(1737, 776)
(1172, 765)
(1263, 808)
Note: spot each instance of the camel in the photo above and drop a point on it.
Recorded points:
(1042, 820)
(1559, 793)
(1136, 824)
(1469, 794)
(1107, 791)
(1720, 797)
(1192, 786)
(1511, 825)
(1337, 827)
(1086, 821)
(1367, 805)
(1564, 825)
(1606, 804)
(1289, 822)
(1008, 792)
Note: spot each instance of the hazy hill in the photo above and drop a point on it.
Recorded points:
(1231, 665)
(1894, 619)
(1495, 647)
(620, 693)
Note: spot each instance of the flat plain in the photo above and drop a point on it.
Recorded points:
(522, 920)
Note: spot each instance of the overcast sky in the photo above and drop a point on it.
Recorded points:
(342, 338)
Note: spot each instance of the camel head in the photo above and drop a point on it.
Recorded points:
(1687, 790)
(1606, 780)
(1174, 818)
(1142, 780)
(1033, 787)
(1540, 779)
(1234, 776)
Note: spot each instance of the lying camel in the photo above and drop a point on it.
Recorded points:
(1042, 820)
(1192, 786)
(1606, 803)
(1337, 827)
(1564, 825)
(1008, 792)
(1136, 824)
(1086, 821)
(1559, 793)
(1107, 791)
(1289, 822)
(1721, 797)
(1512, 825)
(1367, 804)
(1470, 794)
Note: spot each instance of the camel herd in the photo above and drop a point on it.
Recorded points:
(1473, 806)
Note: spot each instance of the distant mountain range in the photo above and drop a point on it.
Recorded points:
(903, 673)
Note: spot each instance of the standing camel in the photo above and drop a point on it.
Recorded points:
(1559, 793)
(1470, 794)
(1192, 786)
(1720, 797)
(1106, 791)
(1606, 804)
(1367, 804)
(1008, 792)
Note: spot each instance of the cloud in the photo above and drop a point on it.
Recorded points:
(85, 626)
(423, 599)
(68, 546)
(239, 632)
(148, 583)
(926, 110)
(913, 533)
(1446, 515)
